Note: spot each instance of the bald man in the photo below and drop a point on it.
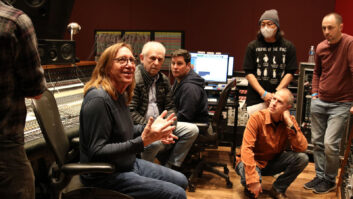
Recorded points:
(332, 99)
(263, 150)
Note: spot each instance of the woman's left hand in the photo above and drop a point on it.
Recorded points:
(159, 129)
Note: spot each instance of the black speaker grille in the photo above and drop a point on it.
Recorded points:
(56, 51)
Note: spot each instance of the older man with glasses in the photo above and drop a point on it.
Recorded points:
(152, 95)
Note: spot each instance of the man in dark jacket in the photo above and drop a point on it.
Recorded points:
(152, 95)
(190, 98)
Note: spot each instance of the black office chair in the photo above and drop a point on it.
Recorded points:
(208, 139)
(63, 174)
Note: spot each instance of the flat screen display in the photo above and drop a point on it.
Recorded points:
(230, 66)
(212, 67)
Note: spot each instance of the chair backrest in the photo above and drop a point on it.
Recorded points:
(222, 101)
(48, 117)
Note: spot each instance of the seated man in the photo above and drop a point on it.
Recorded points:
(263, 148)
(190, 98)
(152, 95)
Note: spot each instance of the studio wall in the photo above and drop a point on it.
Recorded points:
(344, 8)
(224, 25)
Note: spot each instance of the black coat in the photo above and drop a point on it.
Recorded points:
(190, 99)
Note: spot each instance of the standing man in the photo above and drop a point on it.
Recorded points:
(332, 97)
(263, 148)
(20, 76)
(270, 62)
(152, 95)
(190, 98)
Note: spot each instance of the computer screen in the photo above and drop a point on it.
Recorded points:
(230, 66)
(212, 67)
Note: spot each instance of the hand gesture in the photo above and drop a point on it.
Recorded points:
(255, 188)
(170, 139)
(158, 129)
(268, 98)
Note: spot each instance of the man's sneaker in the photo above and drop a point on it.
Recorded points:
(324, 187)
(310, 185)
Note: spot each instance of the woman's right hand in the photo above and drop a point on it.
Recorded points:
(159, 129)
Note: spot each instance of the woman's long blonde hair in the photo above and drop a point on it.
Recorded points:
(100, 76)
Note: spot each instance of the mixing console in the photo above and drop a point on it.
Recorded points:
(69, 105)
(32, 131)
(66, 82)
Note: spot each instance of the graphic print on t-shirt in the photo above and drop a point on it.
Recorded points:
(271, 62)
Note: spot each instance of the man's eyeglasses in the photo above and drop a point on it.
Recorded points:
(125, 60)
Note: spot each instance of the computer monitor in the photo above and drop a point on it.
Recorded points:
(212, 67)
(230, 66)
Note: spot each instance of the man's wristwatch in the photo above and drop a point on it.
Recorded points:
(292, 128)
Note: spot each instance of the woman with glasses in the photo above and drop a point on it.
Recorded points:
(107, 133)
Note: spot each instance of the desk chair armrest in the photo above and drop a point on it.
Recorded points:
(203, 127)
(75, 142)
(78, 168)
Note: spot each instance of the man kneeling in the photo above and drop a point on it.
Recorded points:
(263, 151)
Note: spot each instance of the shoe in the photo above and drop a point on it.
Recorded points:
(277, 195)
(248, 193)
(324, 187)
(310, 185)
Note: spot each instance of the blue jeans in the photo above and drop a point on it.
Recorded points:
(288, 162)
(146, 181)
(328, 121)
(187, 134)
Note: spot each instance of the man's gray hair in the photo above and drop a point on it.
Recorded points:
(152, 45)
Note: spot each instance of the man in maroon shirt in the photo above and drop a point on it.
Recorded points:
(332, 97)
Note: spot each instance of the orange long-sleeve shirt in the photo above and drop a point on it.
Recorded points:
(263, 140)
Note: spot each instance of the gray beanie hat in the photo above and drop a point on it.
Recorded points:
(270, 15)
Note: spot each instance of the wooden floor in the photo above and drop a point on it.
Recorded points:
(210, 186)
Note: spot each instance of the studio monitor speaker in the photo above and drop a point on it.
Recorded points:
(56, 51)
(49, 17)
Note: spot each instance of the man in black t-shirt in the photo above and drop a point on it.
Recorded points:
(270, 62)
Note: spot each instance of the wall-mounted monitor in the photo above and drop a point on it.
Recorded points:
(212, 67)
(230, 66)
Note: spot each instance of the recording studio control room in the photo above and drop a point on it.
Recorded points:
(193, 99)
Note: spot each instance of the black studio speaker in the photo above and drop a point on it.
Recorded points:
(49, 17)
(35, 9)
(56, 51)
